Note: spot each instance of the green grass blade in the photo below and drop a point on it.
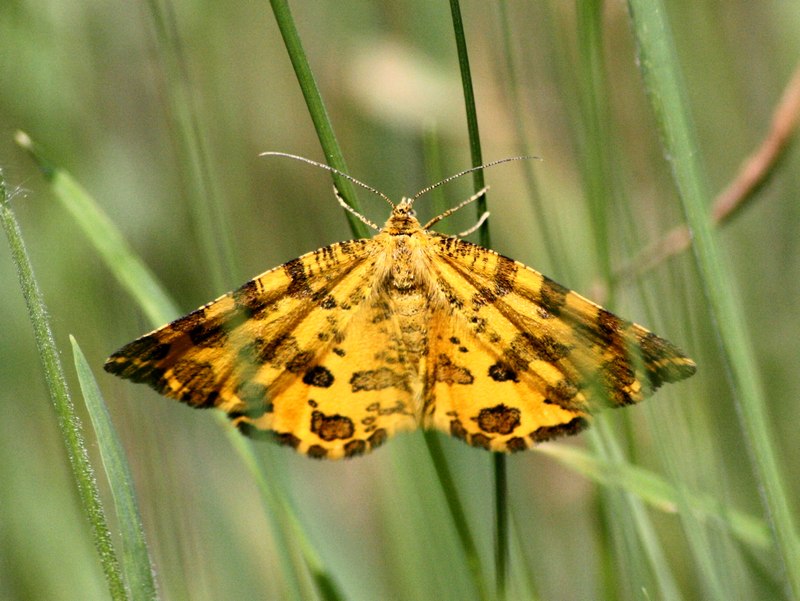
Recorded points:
(658, 492)
(663, 81)
(596, 165)
(129, 270)
(140, 283)
(499, 461)
(287, 529)
(501, 550)
(68, 421)
(544, 223)
(207, 208)
(478, 181)
(457, 513)
(432, 155)
(136, 562)
(634, 543)
(317, 111)
(637, 542)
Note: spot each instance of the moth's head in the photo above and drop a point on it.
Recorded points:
(405, 207)
(403, 219)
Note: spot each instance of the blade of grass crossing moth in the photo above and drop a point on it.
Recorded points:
(68, 421)
(452, 498)
(457, 513)
(664, 84)
(602, 193)
(124, 264)
(317, 111)
(136, 561)
(499, 461)
(286, 527)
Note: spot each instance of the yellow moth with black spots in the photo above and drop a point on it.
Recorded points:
(335, 351)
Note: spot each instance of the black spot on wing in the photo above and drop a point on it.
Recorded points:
(377, 438)
(527, 347)
(331, 427)
(144, 350)
(502, 372)
(354, 448)
(516, 444)
(480, 440)
(450, 373)
(499, 419)
(317, 452)
(328, 302)
(563, 394)
(318, 376)
(505, 275)
(663, 361)
(616, 377)
(197, 380)
(546, 433)
(457, 429)
(299, 361)
(275, 351)
(250, 303)
(287, 439)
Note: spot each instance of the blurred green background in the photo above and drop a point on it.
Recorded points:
(91, 83)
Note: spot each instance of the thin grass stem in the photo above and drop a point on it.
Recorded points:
(68, 421)
(317, 111)
(499, 463)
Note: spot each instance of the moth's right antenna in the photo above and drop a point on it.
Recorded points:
(460, 205)
(332, 170)
(460, 173)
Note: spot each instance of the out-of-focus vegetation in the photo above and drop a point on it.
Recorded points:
(109, 98)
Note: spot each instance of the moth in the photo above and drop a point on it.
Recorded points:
(335, 351)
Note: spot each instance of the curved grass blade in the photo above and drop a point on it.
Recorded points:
(136, 562)
(128, 268)
(653, 489)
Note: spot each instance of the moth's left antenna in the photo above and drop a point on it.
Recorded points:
(332, 170)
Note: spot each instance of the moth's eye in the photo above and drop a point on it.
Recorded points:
(413, 212)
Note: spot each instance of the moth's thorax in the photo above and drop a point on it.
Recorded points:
(406, 255)
(406, 288)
